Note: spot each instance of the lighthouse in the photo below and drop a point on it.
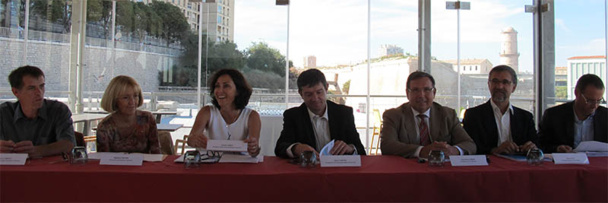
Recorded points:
(508, 52)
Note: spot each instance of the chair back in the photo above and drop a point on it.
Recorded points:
(166, 142)
(181, 143)
(79, 138)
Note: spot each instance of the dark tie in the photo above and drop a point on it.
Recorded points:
(424, 131)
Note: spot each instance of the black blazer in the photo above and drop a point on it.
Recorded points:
(297, 127)
(557, 127)
(480, 124)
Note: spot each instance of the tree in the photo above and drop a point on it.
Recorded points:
(225, 55)
(174, 24)
(56, 11)
(262, 57)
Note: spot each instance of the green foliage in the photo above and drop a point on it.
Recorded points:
(346, 87)
(262, 57)
(225, 55)
(174, 24)
(57, 11)
(561, 92)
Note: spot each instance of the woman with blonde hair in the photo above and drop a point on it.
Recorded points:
(126, 129)
(228, 118)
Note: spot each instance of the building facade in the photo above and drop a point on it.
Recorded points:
(472, 66)
(580, 65)
(390, 50)
(310, 62)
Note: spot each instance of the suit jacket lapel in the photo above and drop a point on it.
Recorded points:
(309, 133)
(410, 127)
(570, 124)
(490, 123)
(334, 119)
(435, 120)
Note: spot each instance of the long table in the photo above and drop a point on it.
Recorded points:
(381, 178)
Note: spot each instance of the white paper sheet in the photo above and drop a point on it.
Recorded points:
(592, 146)
(13, 159)
(147, 157)
(121, 159)
(227, 145)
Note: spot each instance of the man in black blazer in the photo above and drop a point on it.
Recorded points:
(497, 126)
(317, 121)
(563, 127)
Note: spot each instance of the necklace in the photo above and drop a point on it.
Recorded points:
(233, 121)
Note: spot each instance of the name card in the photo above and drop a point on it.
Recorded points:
(121, 159)
(15, 159)
(341, 161)
(570, 158)
(227, 145)
(469, 160)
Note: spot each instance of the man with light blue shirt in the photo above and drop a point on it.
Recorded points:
(565, 126)
(419, 126)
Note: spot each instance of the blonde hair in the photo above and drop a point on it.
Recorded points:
(117, 86)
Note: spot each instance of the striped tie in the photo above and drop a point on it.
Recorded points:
(424, 131)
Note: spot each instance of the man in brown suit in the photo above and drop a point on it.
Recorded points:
(421, 125)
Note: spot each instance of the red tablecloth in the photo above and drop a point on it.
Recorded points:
(381, 178)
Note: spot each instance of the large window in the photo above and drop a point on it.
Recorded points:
(366, 48)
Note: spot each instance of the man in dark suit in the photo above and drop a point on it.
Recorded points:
(317, 121)
(497, 126)
(563, 127)
(421, 125)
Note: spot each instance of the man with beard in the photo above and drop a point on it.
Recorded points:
(34, 125)
(565, 126)
(317, 121)
(419, 126)
(497, 126)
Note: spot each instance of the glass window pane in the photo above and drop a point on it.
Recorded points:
(491, 33)
(581, 47)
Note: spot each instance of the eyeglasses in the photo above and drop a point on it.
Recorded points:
(426, 90)
(497, 82)
(593, 102)
(211, 155)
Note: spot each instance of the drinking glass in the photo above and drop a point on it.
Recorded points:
(436, 158)
(192, 159)
(308, 159)
(78, 155)
(535, 157)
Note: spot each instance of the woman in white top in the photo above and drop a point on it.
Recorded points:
(227, 118)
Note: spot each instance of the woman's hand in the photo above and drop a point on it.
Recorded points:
(197, 141)
(253, 146)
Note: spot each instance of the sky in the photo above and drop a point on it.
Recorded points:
(335, 31)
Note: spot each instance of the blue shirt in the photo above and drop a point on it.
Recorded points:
(53, 123)
(583, 129)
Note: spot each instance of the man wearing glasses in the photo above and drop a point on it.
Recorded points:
(565, 126)
(419, 126)
(497, 127)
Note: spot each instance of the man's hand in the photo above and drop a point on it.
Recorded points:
(341, 148)
(299, 148)
(507, 147)
(527, 147)
(24, 147)
(564, 149)
(443, 146)
(7, 146)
